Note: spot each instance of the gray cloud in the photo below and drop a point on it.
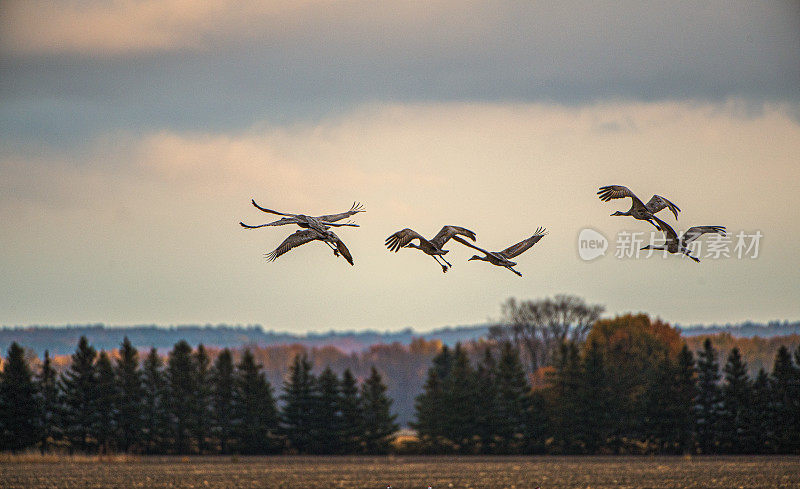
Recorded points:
(292, 64)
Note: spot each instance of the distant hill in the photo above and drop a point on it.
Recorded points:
(62, 339)
(747, 329)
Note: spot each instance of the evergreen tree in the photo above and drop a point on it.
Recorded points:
(181, 395)
(379, 423)
(656, 422)
(487, 423)
(155, 413)
(255, 412)
(327, 415)
(708, 398)
(79, 388)
(735, 400)
(105, 403)
(222, 398)
(564, 401)
(685, 398)
(513, 400)
(49, 407)
(758, 436)
(18, 402)
(460, 419)
(130, 402)
(431, 403)
(594, 407)
(786, 403)
(201, 413)
(352, 414)
(300, 399)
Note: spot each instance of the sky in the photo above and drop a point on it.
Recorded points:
(134, 133)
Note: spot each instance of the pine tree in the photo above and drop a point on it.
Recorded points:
(513, 400)
(327, 417)
(18, 402)
(181, 395)
(786, 403)
(685, 398)
(255, 412)
(564, 401)
(130, 407)
(379, 423)
(460, 419)
(155, 414)
(486, 419)
(49, 407)
(708, 398)
(758, 434)
(595, 408)
(735, 396)
(431, 403)
(656, 422)
(352, 414)
(79, 388)
(201, 412)
(299, 398)
(104, 427)
(222, 398)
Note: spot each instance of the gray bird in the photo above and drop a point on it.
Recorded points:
(503, 258)
(433, 247)
(304, 221)
(303, 236)
(674, 244)
(321, 224)
(638, 210)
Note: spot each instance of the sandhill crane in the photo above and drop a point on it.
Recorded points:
(303, 236)
(304, 221)
(673, 244)
(321, 224)
(403, 238)
(502, 258)
(638, 210)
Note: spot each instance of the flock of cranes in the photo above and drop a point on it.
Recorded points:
(319, 229)
(647, 212)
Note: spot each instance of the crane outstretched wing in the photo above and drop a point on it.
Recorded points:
(279, 222)
(401, 239)
(294, 240)
(447, 232)
(354, 209)
(614, 192)
(695, 232)
(657, 202)
(669, 233)
(263, 209)
(467, 243)
(342, 249)
(523, 245)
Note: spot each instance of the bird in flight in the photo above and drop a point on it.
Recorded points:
(320, 224)
(674, 244)
(304, 221)
(638, 210)
(503, 258)
(303, 236)
(432, 247)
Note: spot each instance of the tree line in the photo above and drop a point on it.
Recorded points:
(633, 386)
(187, 404)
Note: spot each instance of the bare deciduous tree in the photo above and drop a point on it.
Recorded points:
(539, 327)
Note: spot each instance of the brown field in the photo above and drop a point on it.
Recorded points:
(748, 472)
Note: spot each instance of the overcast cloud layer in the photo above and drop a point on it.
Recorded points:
(135, 132)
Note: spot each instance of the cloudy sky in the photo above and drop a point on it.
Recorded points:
(133, 135)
